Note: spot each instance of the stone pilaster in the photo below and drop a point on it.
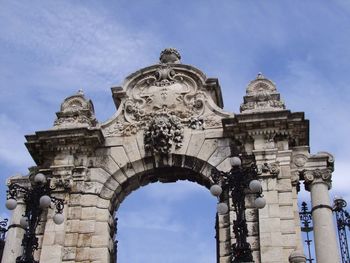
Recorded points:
(318, 182)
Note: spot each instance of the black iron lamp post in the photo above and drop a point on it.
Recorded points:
(343, 223)
(242, 179)
(3, 230)
(36, 199)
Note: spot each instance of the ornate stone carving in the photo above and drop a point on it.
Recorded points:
(317, 175)
(163, 132)
(65, 182)
(272, 168)
(170, 55)
(196, 123)
(76, 111)
(295, 178)
(168, 89)
(261, 96)
(299, 160)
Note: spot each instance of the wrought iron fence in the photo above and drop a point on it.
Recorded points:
(343, 226)
(307, 228)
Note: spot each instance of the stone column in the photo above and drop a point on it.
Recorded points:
(318, 182)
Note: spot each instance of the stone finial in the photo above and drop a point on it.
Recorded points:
(76, 111)
(170, 55)
(261, 96)
(297, 257)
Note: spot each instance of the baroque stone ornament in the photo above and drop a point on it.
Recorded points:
(163, 132)
(317, 176)
(169, 88)
(76, 111)
(261, 96)
(300, 160)
(170, 55)
(271, 168)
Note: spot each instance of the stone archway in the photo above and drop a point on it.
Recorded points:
(169, 118)
(192, 169)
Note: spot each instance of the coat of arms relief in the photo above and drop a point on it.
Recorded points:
(168, 94)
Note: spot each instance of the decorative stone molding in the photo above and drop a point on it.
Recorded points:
(318, 176)
(269, 168)
(295, 178)
(168, 88)
(46, 146)
(297, 257)
(299, 160)
(76, 111)
(261, 96)
(163, 132)
(170, 55)
(61, 177)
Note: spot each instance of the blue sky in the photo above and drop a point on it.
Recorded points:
(50, 49)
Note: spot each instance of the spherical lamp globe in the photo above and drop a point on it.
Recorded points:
(40, 178)
(58, 219)
(222, 208)
(45, 201)
(235, 161)
(11, 203)
(255, 186)
(216, 190)
(260, 202)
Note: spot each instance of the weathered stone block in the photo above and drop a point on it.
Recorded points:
(284, 185)
(71, 240)
(82, 253)
(69, 253)
(87, 226)
(84, 240)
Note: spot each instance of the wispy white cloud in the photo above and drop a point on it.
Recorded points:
(74, 41)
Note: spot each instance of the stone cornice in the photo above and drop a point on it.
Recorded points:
(43, 144)
(286, 123)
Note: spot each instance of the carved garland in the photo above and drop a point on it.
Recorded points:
(163, 132)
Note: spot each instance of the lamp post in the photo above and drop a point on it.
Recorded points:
(36, 199)
(240, 180)
(343, 222)
(3, 229)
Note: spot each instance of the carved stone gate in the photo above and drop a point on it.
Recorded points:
(169, 126)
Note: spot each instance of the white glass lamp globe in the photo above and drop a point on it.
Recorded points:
(11, 203)
(222, 208)
(58, 219)
(235, 161)
(216, 190)
(255, 186)
(40, 178)
(24, 222)
(260, 202)
(45, 201)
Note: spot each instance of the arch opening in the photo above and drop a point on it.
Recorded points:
(172, 222)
